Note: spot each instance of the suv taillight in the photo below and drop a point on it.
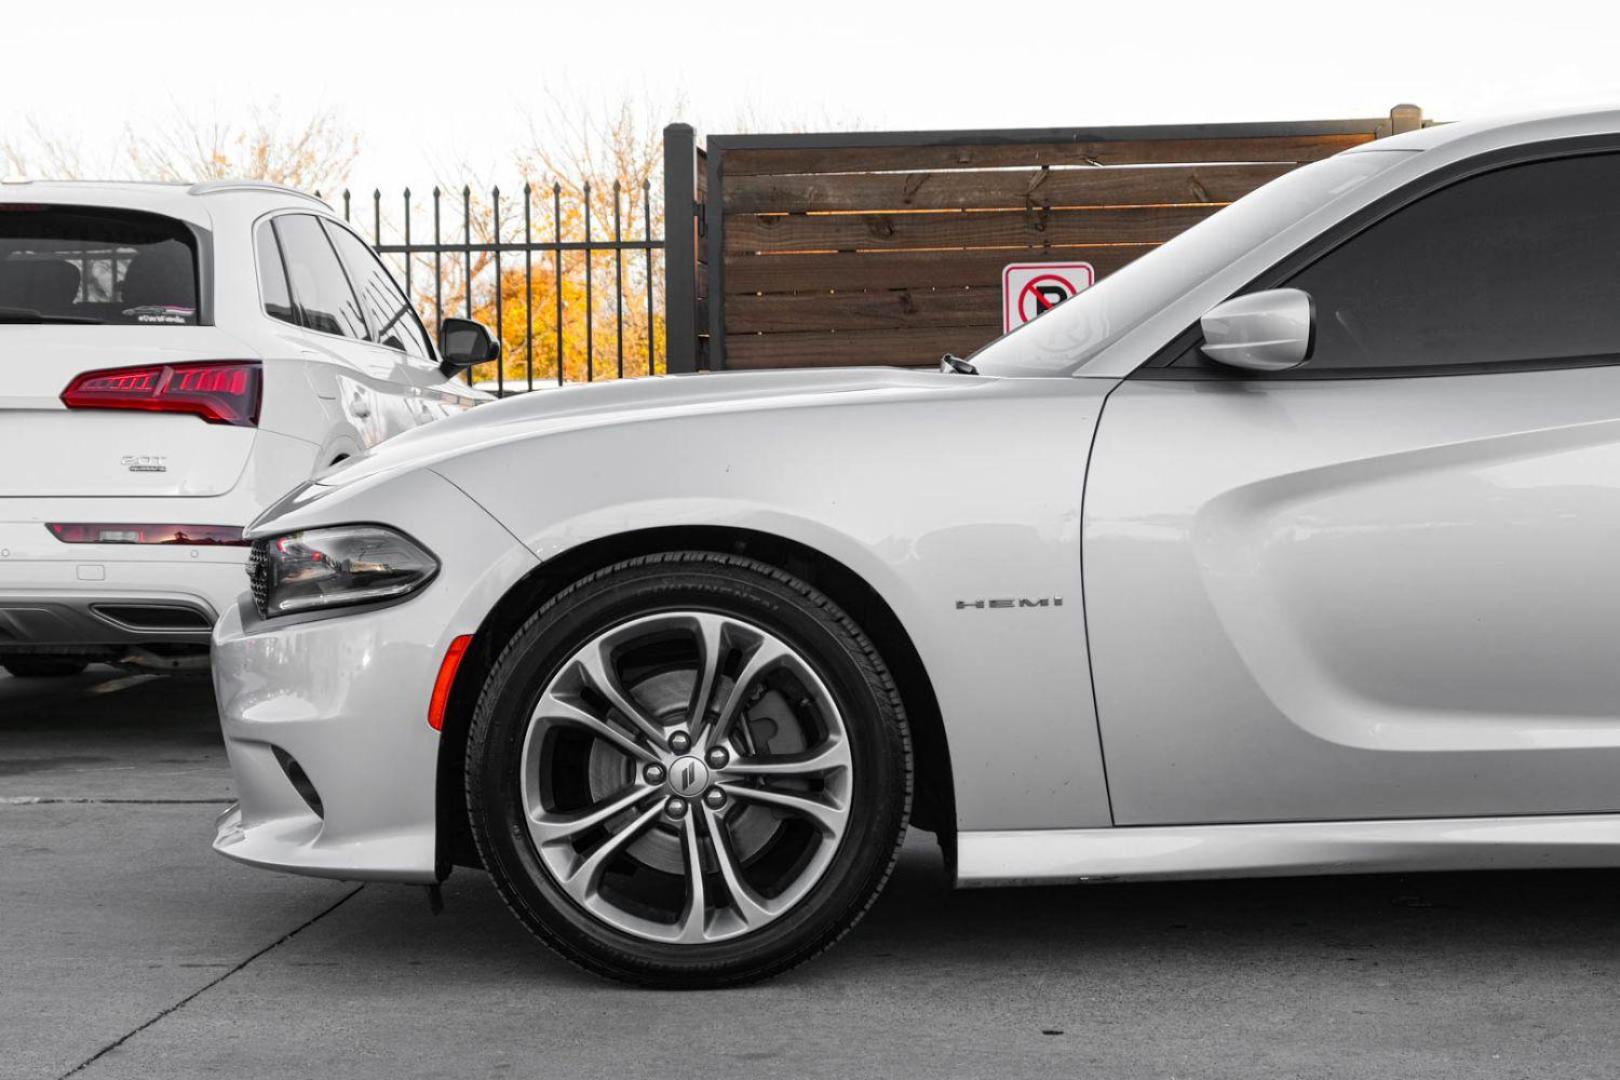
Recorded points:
(81, 532)
(219, 391)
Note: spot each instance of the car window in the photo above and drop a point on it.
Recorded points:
(82, 264)
(392, 320)
(273, 291)
(1513, 266)
(320, 289)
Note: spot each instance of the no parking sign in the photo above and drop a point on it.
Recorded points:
(1029, 290)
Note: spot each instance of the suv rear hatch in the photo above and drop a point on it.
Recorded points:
(111, 381)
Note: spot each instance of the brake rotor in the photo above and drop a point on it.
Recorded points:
(768, 725)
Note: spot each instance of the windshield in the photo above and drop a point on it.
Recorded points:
(94, 265)
(1078, 329)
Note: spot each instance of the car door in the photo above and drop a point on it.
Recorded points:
(365, 378)
(1386, 584)
(429, 393)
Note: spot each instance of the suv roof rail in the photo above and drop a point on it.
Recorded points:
(211, 187)
(90, 181)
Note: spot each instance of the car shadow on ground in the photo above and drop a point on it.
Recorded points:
(1434, 921)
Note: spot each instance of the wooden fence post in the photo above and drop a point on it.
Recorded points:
(1403, 118)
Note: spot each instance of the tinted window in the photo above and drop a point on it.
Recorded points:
(1518, 265)
(272, 275)
(93, 265)
(320, 290)
(389, 314)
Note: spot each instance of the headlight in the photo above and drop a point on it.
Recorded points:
(334, 567)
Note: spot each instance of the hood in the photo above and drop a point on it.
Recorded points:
(544, 412)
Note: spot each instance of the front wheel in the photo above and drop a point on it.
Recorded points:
(689, 770)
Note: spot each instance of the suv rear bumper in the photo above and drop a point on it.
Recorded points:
(103, 619)
(112, 596)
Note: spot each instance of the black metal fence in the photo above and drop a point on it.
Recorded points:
(575, 303)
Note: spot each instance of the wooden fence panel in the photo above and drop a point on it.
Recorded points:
(852, 271)
(876, 310)
(857, 347)
(762, 234)
(1290, 148)
(1010, 188)
(829, 250)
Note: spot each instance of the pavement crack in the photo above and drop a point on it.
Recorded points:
(201, 990)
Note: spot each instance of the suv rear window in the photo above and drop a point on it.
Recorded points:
(80, 264)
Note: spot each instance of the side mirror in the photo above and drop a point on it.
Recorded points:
(464, 343)
(1265, 331)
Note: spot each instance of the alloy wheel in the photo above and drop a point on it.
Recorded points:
(686, 777)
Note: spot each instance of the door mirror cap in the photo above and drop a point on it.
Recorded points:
(464, 343)
(1273, 330)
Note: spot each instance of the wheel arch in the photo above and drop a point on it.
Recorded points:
(934, 808)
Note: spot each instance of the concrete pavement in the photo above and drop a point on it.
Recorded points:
(127, 949)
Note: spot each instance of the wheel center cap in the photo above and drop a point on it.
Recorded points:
(688, 777)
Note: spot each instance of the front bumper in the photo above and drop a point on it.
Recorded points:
(343, 700)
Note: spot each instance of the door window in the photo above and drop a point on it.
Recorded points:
(273, 291)
(389, 314)
(320, 289)
(1520, 265)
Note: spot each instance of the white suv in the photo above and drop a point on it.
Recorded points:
(172, 358)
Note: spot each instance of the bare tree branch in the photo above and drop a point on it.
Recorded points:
(316, 154)
(44, 152)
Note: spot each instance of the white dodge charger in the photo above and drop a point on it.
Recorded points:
(172, 359)
(1289, 548)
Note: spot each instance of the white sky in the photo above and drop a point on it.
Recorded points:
(432, 85)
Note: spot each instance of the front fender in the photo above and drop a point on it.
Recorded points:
(961, 512)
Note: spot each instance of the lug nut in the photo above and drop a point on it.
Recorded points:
(718, 757)
(715, 798)
(654, 774)
(675, 808)
(680, 742)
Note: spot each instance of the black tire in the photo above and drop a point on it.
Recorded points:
(847, 664)
(43, 667)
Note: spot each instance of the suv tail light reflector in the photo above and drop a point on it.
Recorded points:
(104, 533)
(219, 391)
